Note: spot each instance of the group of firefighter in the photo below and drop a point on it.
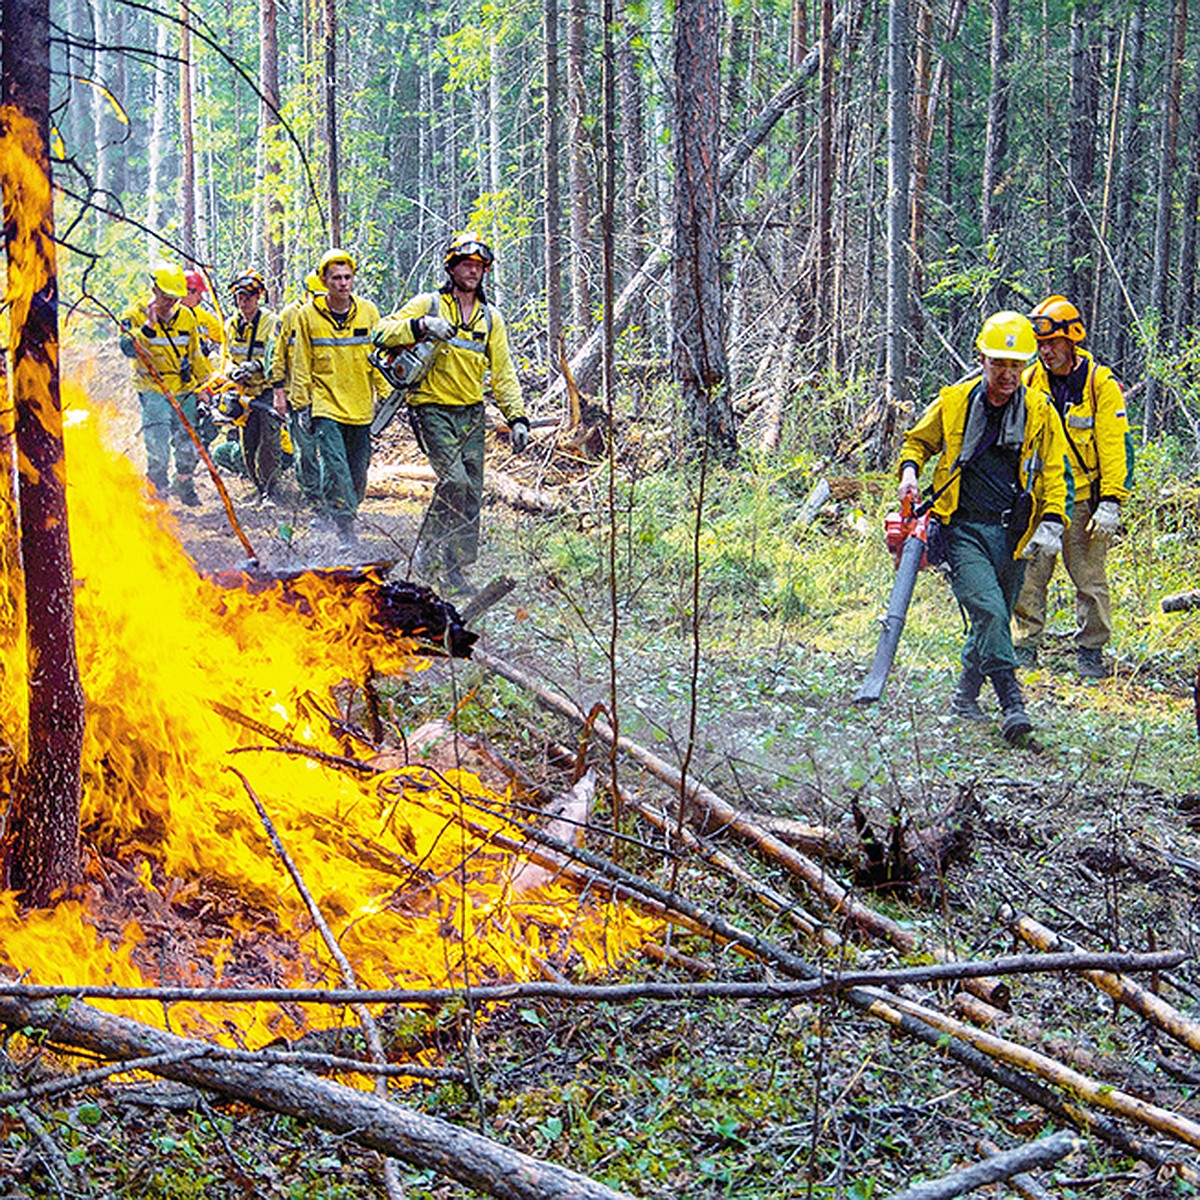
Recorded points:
(1034, 460)
(303, 386)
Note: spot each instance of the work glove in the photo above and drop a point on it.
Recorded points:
(304, 418)
(1046, 540)
(910, 489)
(437, 328)
(243, 372)
(519, 432)
(1105, 520)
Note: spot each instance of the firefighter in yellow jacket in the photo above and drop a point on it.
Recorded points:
(333, 379)
(1100, 450)
(249, 348)
(446, 407)
(1003, 496)
(163, 338)
(298, 414)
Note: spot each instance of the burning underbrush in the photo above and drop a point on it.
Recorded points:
(203, 698)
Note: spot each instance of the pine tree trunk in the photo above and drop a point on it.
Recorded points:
(697, 350)
(42, 833)
(1085, 104)
(187, 139)
(1121, 352)
(269, 141)
(577, 139)
(822, 279)
(552, 212)
(996, 143)
(331, 122)
(158, 153)
(1186, 292)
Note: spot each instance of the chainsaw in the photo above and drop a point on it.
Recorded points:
(403, 367)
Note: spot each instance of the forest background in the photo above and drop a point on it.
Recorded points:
(904, 169)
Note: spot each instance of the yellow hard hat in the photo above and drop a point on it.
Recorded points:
(249, 281)
(468, 245)
(314, 284)
(170, 280)
(333, 256)
(1055, 317)
(1007, 335)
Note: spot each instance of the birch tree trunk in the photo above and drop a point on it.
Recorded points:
(158, 154)
(697, 350)
(1085, 104)
(42, 832)
(1154, 415)
(269, 147)
(996, 143)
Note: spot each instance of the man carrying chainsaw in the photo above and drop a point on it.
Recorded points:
(334, 381)
(1001, 494)
(1089, 400)
(446, 405)
(249, 344)
(162, 337)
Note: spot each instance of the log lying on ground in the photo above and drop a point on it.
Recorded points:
(1024, 1185)
(401, 608)
(517, 495)
(428, 1142)
(1181, 602)
(1144, 1002)
(1043, 1153)
(1074, 1082)
(723, 815)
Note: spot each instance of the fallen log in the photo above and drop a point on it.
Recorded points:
(517, 495)
(393, 1130)
(721, 813)
(1001, 1167)
(1074, 1082)
(1024, 1185)
(1142, 1001)
(1181, 601)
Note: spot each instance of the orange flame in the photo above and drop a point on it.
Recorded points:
(399, 865)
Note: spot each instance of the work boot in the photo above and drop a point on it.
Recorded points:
(185, 489)
(965, 701)
(347, 539)
(1089, 662)
(1026, 657)
(1015, 724)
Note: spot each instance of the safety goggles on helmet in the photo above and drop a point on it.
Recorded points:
(1046, 327)
(466, 246)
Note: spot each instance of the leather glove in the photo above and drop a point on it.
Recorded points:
(437, 328)
(1105, 519)
(519, 428)
(1046, 540)
(910, 489)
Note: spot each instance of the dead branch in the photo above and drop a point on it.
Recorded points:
(817, 983)
(1068, 1079)
(393, 1130)
(1042, 1153)
(1142, 1001)
(813, 874)
(392, 1182)
(1024, 1185)
(517, 495)
(1181, 601)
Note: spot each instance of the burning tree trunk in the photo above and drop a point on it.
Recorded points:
(42, 834)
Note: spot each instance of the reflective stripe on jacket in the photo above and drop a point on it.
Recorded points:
(329, 363)
(1043, 464)
(1099, 444)
(461, 365)
(240, 349)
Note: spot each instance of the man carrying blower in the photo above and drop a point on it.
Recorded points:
(1002, 497)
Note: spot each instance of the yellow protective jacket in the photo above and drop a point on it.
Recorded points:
(171, 348)
(285, 344)
(330, 370)
(1099, 444)
(479, 346)
(212, 332)
(251, 341)
(1042, 469)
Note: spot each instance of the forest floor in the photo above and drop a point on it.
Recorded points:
(1097, 836)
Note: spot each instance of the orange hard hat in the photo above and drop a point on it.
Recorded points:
(1056, 316)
